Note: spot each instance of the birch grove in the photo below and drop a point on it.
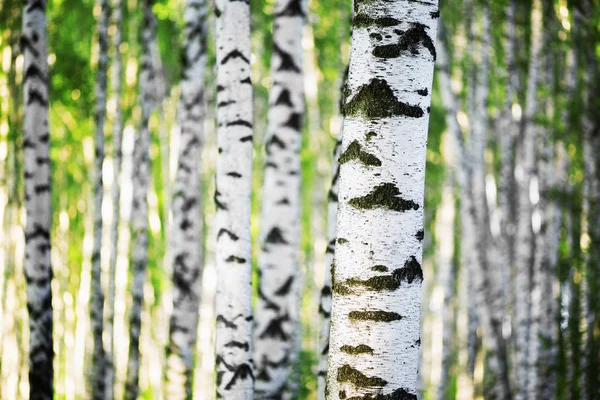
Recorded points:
(428, 231)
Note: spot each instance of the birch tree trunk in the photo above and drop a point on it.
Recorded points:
(38, 271)
(117, 138)
(97, 374)
(233, 191)
(446, 274)
(377, 275)
(524, 239)
(325, 301)
(277, 310)
(139, 211)
(186, 231)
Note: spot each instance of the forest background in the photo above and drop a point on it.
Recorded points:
(73, 56)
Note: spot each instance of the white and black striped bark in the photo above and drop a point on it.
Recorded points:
(97, 374)
(325, 300)
(235, 374)
(139, 211)
(117, 138)
(524, 239)
(186, 231)
(377, 275)
(38, 271)
(277, 311)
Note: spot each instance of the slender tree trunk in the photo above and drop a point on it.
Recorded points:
(232, 197)
(139, 211)
(117, 138)
(38, 271)
(325, 301)
(277, 312)
(524, 240)
(377, 275)
(446, 276)
(186, 231)
(97, 371)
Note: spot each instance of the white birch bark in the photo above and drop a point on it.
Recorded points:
(446, 274)
(234, 365)
(139, 212)
(38, 271)
(186, 231)
(97, 370)
(325, 300)
(473, 215)
(377, 275)
(277, 309)
(524, 239)
(117, 138)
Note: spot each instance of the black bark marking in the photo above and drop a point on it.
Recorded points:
(283, 201)
(398, 394)
(244, 346)
(235, 259)
(435, 14)
(363, 21)
(275, 236)
(37, 232)
(242, 372)
(274, 329)
(294, 121)
(354, 152)
(287, 61)
(360, 349)
(284, 99)
(423, 92)
(269, 304)
(234, 174)
(412, 271)
(420, 235)
(293, 9)
(246, 139)
(415, 37)
(224, 321)
(374, 315)
(274, 141)
(218, 204)
(246, 80)
(27, 45)
(240, 122)
(227, 232)
(346, 373)
(234, 54)
(285, 288)
(36, 97)
(330, 247)
(342, 241)
(377, 100)
(379, 268)
(370, 135)
(33, 71)
(384, 196)
(225, 103)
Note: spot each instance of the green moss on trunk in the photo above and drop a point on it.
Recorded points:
(360, 349)
(384, 196)
(354, 152)
(374, 315)
(348, 374)
(377, 100)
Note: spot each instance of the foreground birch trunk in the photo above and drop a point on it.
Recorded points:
(139, 211)
(38, 271)
(377, 275)
(234, 367)
(97, 371)
(117, 138)
(186, 231)
(524, 240)
(277, 311)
